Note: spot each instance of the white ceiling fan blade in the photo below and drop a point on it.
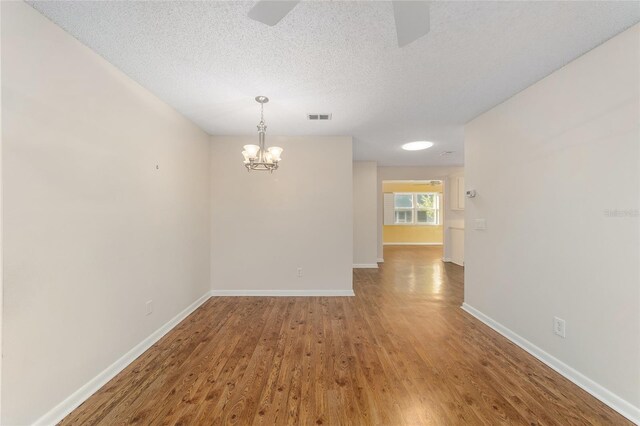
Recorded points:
(270, 12)
(412, 20)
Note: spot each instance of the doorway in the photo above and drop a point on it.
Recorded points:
(413, 212)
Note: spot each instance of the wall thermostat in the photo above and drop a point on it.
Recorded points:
(471, 193)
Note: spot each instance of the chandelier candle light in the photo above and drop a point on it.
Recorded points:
(256, 157)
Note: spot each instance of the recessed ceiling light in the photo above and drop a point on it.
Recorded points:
(417, 146)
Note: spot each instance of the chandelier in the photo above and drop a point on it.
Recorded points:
(256, 157)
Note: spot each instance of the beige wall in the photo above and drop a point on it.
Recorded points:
(547, 165)
(365, 213)
(266, 226)
(92, 229)
(1, 233)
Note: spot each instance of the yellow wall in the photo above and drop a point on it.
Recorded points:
(412, 233)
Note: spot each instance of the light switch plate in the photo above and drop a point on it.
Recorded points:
(480, 224)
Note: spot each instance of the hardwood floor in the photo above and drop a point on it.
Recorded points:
(400, 352)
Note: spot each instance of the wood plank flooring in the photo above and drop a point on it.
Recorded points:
(400, 352)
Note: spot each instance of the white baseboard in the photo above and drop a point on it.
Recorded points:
(411, 244)
(380, 260)
(73, 401)
(365, 265)
(282, 293)
(620, 405)
(446, 259)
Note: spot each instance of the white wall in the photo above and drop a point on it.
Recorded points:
(547, 165)
(365, 213)
(92, 229)
(1, 243)
(411, 173)
(266, 226)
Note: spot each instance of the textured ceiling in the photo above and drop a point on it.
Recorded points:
(208, 60)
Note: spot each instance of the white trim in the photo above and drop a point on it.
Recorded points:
(446, 259)
(435, 225)
(73, 401)
(380, 260)
(424, 182)
(365, 265)
(279, 293)
(411, 244)
(623, 407)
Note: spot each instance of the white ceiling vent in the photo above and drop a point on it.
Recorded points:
(319, 117)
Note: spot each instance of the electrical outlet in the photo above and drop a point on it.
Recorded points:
(559, 327)
(149, 306)
(299, 272)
